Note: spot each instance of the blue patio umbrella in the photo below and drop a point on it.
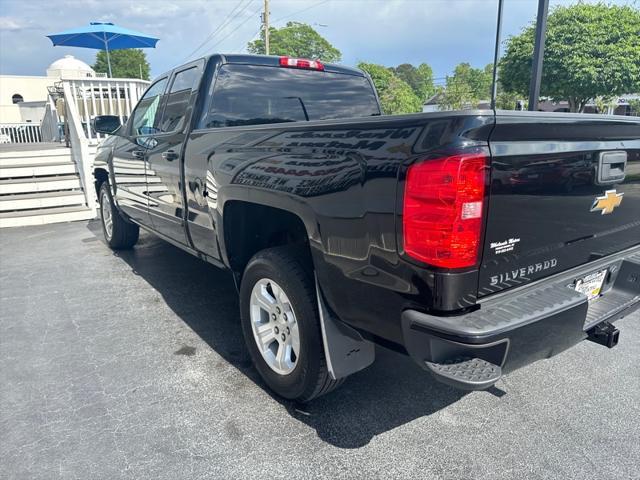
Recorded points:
(103, 36)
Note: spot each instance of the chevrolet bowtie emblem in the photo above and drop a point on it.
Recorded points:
(607, 202)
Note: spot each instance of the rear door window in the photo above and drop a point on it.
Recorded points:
(178, 98)
(252, 95)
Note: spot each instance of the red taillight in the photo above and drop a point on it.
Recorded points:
(301, 63)
(442, 210)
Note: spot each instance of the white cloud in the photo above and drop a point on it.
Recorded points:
(152, 10)
(12, 23)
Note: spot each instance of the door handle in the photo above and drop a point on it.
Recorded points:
(169, 155)
(138, 154)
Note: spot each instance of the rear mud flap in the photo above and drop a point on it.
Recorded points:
(344, 348)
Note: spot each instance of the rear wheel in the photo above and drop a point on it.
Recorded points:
(281, 325)
(118, 232)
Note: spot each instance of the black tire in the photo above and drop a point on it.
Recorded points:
(124, 234)
(310, 377)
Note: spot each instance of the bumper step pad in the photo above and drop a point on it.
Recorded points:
(466, 372)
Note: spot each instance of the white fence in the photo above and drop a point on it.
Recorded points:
(101, 96)
(69, 112)
(79, 147)
(20, 133)
(83, 101)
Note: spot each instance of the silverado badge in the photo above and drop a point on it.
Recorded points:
(607, 202)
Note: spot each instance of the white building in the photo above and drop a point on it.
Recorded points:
(22, 98)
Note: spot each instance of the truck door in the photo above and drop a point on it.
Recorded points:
(164, 156)
(129, 154)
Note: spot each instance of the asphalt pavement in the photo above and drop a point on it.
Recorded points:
(132, 365)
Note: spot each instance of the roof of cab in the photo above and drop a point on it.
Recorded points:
(274, 61)
(266, 60)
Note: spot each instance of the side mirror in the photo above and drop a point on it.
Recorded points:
(107, 124)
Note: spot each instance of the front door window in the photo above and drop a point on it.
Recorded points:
(146, 116)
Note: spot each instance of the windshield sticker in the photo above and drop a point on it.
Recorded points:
(504, 246)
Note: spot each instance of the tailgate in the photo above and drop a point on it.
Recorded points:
(557, 199)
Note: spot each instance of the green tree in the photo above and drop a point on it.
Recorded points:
(603, 104)
(420, 79)
(635, 106)
(296, 40)
(127, 63)
(396, 96)
(590, 51)
(508, 100)
(467, 87)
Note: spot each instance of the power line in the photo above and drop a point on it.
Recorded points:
(230, 17)
(216, 30)
(244, 44)
(244, 9)
(236, 29)
(299, 11)
(227, 20)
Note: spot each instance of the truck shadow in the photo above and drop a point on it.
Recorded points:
(389, 394)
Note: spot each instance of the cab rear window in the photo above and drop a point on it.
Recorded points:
(253, 95)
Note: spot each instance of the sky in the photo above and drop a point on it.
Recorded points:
(441, 33)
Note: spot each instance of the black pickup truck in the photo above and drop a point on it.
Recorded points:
(474, 241)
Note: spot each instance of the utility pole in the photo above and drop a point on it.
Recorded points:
(538, 55)
(265, 23)
(496, 55)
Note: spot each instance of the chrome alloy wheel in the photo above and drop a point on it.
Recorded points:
(274, 326)
(107, 218)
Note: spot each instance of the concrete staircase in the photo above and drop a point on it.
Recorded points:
(40, 186)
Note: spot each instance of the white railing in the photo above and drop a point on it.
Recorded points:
(20, 133)
(79, 147)
(102, 96)
(84, 99)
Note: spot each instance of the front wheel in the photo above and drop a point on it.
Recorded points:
(281, 325)
(118, 232)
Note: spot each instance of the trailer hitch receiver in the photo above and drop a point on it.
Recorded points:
(605, 334)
